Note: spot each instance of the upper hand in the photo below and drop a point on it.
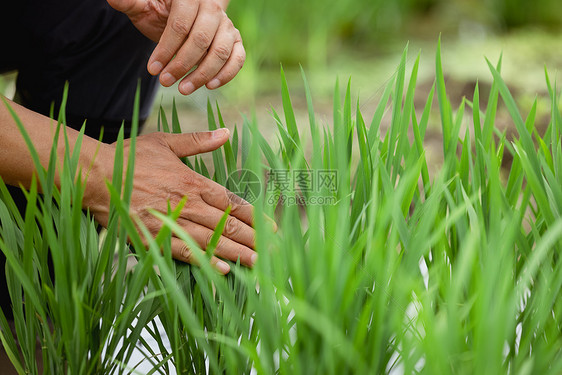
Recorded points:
(197, 32)
(160, 177)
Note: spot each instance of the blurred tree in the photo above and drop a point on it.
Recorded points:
(310, 32)
(518, 13)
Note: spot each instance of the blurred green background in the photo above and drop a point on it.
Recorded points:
(312, 32)
(343, 36)
(363, 39)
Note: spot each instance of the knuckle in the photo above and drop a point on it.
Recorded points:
(208, 238)
(204, 76)
(221, 244)
(197, 140)
(228, 22)
(222, 53)
(201, 40)
(231, 227)
(193, 185)
(241, 59)
(186, 254)
(239, 207)
(200, 183)
(180, 67)
(223, 199)
(235, 205)
(180, 26)
(234, 201)
(237, 34)
(164, 52)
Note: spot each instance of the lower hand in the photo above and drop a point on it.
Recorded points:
(160, 177)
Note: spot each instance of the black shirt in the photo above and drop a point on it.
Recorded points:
(86, 42)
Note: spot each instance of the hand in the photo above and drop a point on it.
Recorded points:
(160, 177)
(197, 32)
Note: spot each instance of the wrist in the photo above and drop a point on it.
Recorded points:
(96, 167)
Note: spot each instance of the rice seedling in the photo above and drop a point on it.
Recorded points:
(377, 266)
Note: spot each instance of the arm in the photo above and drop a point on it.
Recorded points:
(16, 165)
(197, 32)
(160, 177)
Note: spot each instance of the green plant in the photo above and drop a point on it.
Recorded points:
(403, 271)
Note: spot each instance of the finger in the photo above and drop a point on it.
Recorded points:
(218, 196)
(197, 44)
(189, 144)
(182, 252)
(179, 25)
(226, 248)
(231, 68)
(235, 229)
(216, 57)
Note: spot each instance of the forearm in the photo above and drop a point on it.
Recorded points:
(16, 164)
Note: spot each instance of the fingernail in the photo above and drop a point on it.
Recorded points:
(223, 267)
(221, 133)
(213, 84)
(167, 79)
(254, 258)
(155, 68)
(186, 87)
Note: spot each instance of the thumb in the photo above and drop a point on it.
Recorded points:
(189, 144)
